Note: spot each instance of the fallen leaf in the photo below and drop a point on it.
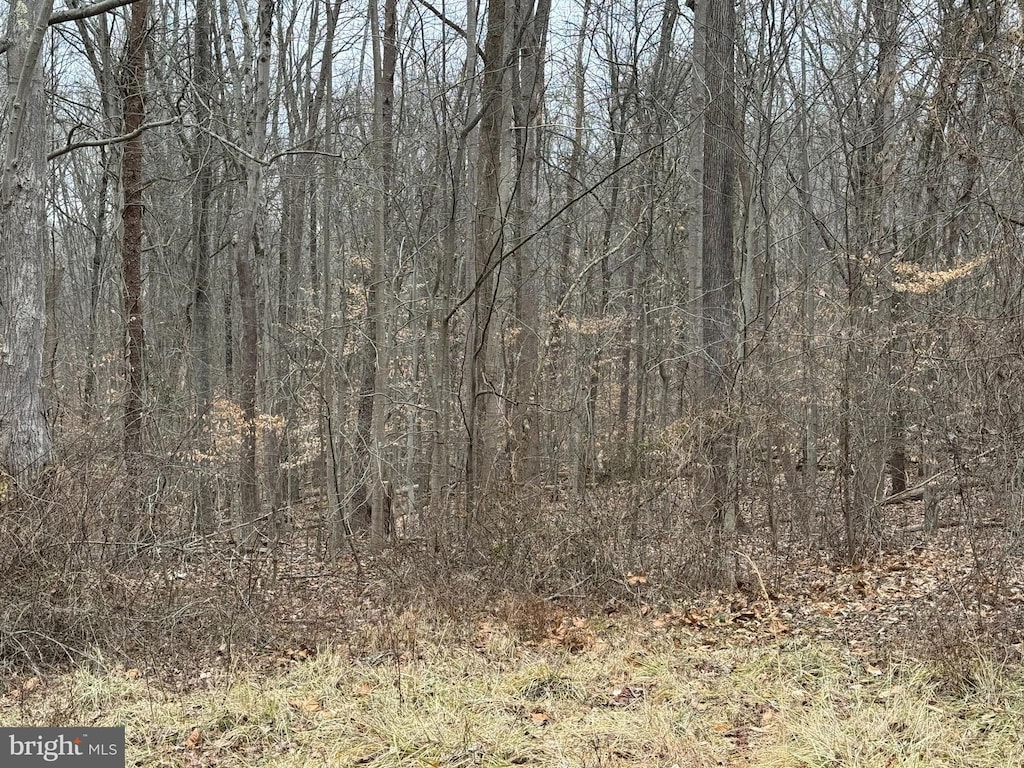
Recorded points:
(636, 579)
(308, 705)
(625, 695)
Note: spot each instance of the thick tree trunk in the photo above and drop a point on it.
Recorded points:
(25, 445)
(245, 248)
(718, 274)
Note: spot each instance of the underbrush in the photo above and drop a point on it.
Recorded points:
(539, 542)
(533, 632)
(75, 588)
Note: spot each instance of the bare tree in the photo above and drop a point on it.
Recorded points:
(480, 380)
(718, 276)
(131, 249)
(25, 445)
(202, 193)
(246, 246)
(527, 99)
(863, 428)
(385, 55)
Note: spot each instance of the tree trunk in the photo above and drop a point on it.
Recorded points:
(529, 89)
(245, 247)
(809, 309)
(718, 311)
(95, 273)
(489, 245)
(440, 452)
(202, 350)
(329, 415)
(25, 445)
(131, 251)
(864, 421)
(694, 264)
(370, 508)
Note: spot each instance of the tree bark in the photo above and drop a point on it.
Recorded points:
(245, 248)
(385, 59)
(488, 247)
(131, 248)
(863, 433)
(528, 91)
(25, 444)
(202, 192)
(718, 272)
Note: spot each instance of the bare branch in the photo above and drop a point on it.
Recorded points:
(270, 159)
(1005, 217)
(557, 214)
(111, 140)
(449, 23)
(21, 93)
(314, 152)
(85, 11)
(225, 141)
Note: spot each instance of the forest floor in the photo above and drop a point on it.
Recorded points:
(877, 666)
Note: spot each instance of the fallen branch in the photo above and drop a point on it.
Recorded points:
(917, 492)
(989, 522)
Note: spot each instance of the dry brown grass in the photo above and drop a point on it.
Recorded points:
(634, 692)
